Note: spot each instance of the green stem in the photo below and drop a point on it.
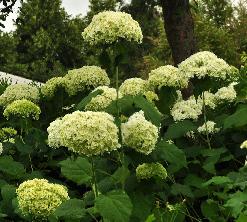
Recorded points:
(94, 182)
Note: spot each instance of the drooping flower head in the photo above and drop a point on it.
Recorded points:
(186, 109)
(148, 170)
(19, 91)
(208, 128)
(39, 198)
(22, 109)
(109, 27)
(133, 87)
(167, 76)
(204, 64)
(100, 102)
(86, 133)
(51, 86)
(139, 134)
(85, 78)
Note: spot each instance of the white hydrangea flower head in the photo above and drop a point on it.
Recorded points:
(133, 87)
(108, 27)
(226, 94)
(39, 198)
(19, 91)
(51, 86)
(204, 64)
(208, 99)
(140, 134)
(167, 76)
(100, 102)
(151, 96)
(86, 133)
(54, 137)
(244, 145)
(208, 127)
(85, 78)
(149, 170)
(1, 148)
(186, 109)
(22, 109)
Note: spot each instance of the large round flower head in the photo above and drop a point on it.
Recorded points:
(139, 134)
(85, 78)
(51, 86)
(167, 76)
(208, 128)
(19, 91)
(39, 198)
(54, 137)
(109, 27)
(100, 102)
(22, 109)
(86, 133)
(186, 109)
(204, 64)
(226, 94)
(149, 170)
(133, 87)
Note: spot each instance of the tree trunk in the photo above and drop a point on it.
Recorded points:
(179, 26)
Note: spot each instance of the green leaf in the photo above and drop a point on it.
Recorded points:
(172, 154)
(87, 99)
(210, 210)
(150, 218)
(238, 119)
(194, 181)
(179, 129)
(8, 193)
(185, 190)
(12, 168)
(121, 174)
(115, 206)
(79, 170)
(242, 218)
(151, 113)
(71, 209)
(218, 180)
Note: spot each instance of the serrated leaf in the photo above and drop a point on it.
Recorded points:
(210, 210)
(185, 190)
(218, 180)
(121, 174)
(179, 129)
(151, 113)
(10, 167)
(238, 119)
(71, 209)
(114, 206)
(172, 154)
(79, 170)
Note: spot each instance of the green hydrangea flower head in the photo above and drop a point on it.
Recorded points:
(100, 102)
(39, 198)
(85, 78)
(186, 109)
(22, 109)
(167, 76)
(51, 86)
(86, 133)
(133, 87)
(151, 170)
(19, 91)
(151, 96)
(140, 134)
(204, 64)
(108, 27)
(54, 136)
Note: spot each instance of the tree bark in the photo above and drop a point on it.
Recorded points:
(179, 27)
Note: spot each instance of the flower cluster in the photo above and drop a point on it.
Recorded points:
(139, 134)
(208, 99)
(109, 27)
(39, 198)
(85, 78)
(1, 148)
(7, 134)
(19, 91)
(51, 86)
(100, 102)
(133, 87)
(208, 128)
(226, 94)
(204, 64)
(149, 170)
(244, 145)
(23, 109)
(186, 109)
(151, 96)
(167, 76)
(87, 133)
